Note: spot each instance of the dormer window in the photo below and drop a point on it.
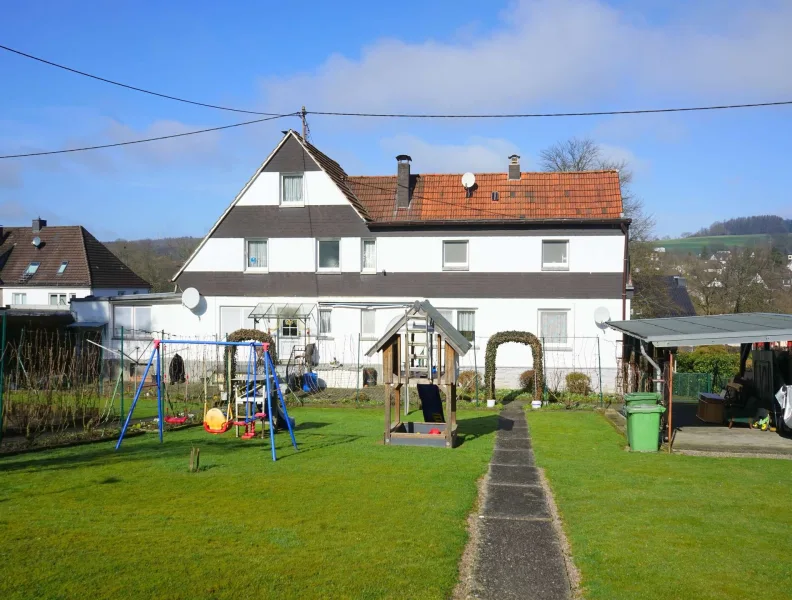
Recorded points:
(292, 190)
(62, 267)
(32, 268)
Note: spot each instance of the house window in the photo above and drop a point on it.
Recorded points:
(136, 321)
(553, 327)
(58, 300)
(289, 328)
(292, 190)
(555, 255)
(325, 321)
(369, 256)
(367, 324)
(466, 323)
(18, 298)
(32, 268)
(256, 255)
(329, 252)
(233, 318)
(62, 267)
(455, 255)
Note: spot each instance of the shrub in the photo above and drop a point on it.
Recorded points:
(718, 361)
(527, 380)
(466, 385)
(578, 383)
(521, 337)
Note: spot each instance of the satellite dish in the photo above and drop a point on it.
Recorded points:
(37, 241)
(191, 298)
(601, 316)
(468, 180)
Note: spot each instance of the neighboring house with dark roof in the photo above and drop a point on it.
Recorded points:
(44, 268)
(314, 255)
(659, 296)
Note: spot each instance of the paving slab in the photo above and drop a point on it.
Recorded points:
(513, 457)
(506, 424)
(512, 442)
(509, 501)
(519, 559)
(515, 475)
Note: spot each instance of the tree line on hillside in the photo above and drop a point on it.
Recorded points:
(156, 261)
(760, 224)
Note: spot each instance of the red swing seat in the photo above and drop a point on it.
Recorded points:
(176, 420)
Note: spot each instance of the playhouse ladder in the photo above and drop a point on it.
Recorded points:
(418, 345)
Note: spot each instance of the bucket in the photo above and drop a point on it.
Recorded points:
(490, 403)
(536, 404)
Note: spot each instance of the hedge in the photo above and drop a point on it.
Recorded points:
(244, 335)
(521, 337)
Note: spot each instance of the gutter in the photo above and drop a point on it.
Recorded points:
(501, 222)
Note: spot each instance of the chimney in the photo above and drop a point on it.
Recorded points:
(403, 181)
(514, 166)
(681, 282)
(39, 224)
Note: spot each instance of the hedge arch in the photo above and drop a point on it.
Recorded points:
(521, 337)
(244, 335)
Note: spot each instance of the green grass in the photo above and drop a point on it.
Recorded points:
(695, 244)
(666, 526)
(345, 517)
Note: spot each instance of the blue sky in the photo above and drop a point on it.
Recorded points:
(441, 57)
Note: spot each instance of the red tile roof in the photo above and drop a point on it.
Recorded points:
(90, 263)
(548, 196)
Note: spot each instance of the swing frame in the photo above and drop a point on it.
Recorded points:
(271, 379)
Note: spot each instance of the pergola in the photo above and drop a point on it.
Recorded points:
(657, 341)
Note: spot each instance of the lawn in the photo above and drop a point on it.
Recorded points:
(654, 526)
(344, 518)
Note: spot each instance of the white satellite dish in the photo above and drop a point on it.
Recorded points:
(37, 241)
(468, 180)
(191, 298)
(601, 316)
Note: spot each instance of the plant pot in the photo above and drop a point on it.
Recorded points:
(490, 403)
(536, 404)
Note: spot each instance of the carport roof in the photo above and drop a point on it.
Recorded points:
(745, 328)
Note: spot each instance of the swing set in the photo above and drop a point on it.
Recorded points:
(215, 422)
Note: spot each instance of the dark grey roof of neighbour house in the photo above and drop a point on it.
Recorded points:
(710, 330)
(452, 335)
(89, 262)
(677, 303)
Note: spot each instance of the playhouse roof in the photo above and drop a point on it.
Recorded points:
(452, 335)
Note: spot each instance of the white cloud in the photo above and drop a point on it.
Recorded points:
(478, 154)
(622, 154)
(569, 53)
(203, 147)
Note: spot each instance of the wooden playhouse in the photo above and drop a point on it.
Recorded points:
(421, 348)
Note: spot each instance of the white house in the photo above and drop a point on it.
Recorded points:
(313, 255)
(46, 267)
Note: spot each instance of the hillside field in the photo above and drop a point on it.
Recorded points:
(719, 242)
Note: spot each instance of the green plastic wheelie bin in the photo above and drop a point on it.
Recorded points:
(643, 427)
(638, 398)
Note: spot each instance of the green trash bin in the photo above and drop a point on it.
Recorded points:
(643, 427)
(638, 398)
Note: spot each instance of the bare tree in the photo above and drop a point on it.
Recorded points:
(584, 154)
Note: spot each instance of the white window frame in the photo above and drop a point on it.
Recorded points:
(555, 266)
(466, 310)
(328, 333)
(456, 266)
(58, 296)
(283, 190)
(248, 268)
(363, 268)
(319, 268)
(289, 336)
(567, 345)
(19, 296)
(368, 335)
(134, 333)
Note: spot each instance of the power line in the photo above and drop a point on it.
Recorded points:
(544, 115)
(132, 87)
(154, 139)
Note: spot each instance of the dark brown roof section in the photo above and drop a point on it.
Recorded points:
(88, 262)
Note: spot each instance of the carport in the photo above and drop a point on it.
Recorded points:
(658, 340)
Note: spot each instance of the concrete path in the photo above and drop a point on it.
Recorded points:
(519, 554)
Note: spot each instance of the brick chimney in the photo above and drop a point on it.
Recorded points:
(39, 224)
(514, 166)
(403, 181)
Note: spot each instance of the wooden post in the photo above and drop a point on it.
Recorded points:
(387, 379)
(450, 389)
